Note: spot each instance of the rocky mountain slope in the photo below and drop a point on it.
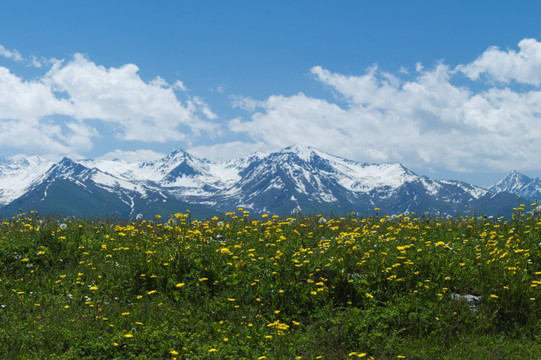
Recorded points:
(297, 178)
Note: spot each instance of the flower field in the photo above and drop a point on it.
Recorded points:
(269, 287)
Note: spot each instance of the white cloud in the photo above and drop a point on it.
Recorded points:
(39, 137)
(179, 85)
(143, 111)
(35, 62)
(220, 88)
(133, 156)
(523, 66)
(10, 54)
(86, 92)
(425, 122)
(24, 123)
(203, 108)
(422, 119)
(16, 56)
(245, 103)
(296, 119)
(27, 100)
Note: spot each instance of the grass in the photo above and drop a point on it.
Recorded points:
(243, 287)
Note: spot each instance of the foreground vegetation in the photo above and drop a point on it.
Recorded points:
(268, 287)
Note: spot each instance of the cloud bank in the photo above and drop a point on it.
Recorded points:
(426, 120)
(484, 115)
(57, 113)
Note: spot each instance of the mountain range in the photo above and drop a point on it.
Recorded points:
(297, 178)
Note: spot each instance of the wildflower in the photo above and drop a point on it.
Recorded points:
(493, 296)
(370, 296)
(225, 251)
(128, 336)
(152, 292)
(179, 285)
(212, 350)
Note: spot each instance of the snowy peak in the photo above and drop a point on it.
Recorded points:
(512, 182)
(296, 178)
(352, 175)
(305, 153)
(519, 184)
(68, 168)
(175, 165)
(242, 162)
(17, 176)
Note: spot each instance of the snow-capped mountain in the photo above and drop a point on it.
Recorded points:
(18, 176)
(308, 179)
(297, 178)
(519, 184)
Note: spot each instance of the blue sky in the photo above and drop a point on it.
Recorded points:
(450, 89)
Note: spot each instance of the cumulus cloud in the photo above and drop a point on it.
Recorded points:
(427, 121)
(27, 100)
(422, 118)
(523, 66)
(145, 111)
(85, 93)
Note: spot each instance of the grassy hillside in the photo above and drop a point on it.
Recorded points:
(239, 287)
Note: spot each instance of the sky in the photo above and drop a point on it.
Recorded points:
(450, 89)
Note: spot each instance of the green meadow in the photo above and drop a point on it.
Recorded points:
(239, 286)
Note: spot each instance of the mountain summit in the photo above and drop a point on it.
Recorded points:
(296, 178)
(519, 184)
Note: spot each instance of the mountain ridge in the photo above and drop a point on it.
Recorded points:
(296, 178)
